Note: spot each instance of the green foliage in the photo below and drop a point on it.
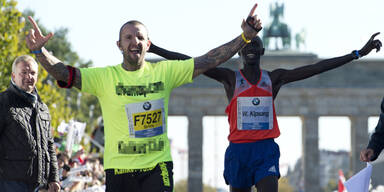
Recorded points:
(11, 39)
(284, 185)
(51, 96)
(12, 45)
(13, 30)
(60, 46)
(331, 186)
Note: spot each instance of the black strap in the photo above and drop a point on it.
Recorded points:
(249, 21)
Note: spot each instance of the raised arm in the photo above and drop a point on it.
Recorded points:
(35, 42)
(221, 54)
(221, 75)
(283, 76)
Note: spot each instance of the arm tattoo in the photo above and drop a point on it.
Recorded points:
(77, 82)
(56, 68)
(217, 56)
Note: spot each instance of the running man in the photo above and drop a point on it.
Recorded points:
(134, 100)
(252, 157)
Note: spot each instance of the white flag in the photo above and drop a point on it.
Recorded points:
(360, 181)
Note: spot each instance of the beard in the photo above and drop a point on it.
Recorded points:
(132, 58)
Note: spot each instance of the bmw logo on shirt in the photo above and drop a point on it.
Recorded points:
(147, 105)
(256, 101)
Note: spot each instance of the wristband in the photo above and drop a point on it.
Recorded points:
(37, 51)
(71, 78)
(245, 39)
(355, 54)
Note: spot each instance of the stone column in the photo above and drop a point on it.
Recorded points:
(195, 150)
(310, 139)
(359, 140)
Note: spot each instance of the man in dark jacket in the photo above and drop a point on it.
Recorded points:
(376, 143)
(27, 154)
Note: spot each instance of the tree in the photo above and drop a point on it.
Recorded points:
(13, 30)
(331, 186)
(11, 43)
(284, 185)
(76, 107)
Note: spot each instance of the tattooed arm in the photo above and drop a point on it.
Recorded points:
(217, 56)
(221, 54)
(57, 68)
(35, 42)
(205, 64)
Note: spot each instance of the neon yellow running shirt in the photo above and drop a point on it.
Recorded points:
(134, 105)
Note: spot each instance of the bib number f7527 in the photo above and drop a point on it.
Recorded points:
(146, 119)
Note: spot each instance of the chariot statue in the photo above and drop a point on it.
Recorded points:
(277, 29)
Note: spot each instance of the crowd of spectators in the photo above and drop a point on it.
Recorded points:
(81, 170)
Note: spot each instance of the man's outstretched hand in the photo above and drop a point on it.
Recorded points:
(35, 39)
(370, 45)
(366, 155)
(252, 25)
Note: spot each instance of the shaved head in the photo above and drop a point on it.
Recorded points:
(132, 22)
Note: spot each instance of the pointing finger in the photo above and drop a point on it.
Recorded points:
(374, 35)
(33, 22)
(252, 10)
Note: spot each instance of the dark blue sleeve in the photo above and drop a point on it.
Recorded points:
(377, 139)
(170, 55)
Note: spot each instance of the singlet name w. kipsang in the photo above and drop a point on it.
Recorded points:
(255, 114)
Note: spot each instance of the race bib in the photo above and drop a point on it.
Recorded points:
(254, 113)
(145, 119)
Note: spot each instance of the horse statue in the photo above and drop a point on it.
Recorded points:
(277, 29)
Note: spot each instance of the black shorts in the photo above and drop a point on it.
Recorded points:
(157, 179)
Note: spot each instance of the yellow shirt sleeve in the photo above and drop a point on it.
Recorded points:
(91, 80)
(179, 72)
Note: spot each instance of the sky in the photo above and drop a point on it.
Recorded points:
(331, 27)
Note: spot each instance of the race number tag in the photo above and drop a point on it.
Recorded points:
(146, 119)
(254, 113)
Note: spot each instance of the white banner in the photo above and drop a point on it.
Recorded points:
(360, 181)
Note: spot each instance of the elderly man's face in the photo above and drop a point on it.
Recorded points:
(25, 75)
